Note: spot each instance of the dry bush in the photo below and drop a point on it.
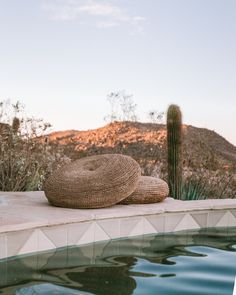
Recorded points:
(24, 161)
(197, 183)
(208, 184)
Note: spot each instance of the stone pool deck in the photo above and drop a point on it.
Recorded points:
(29, 224)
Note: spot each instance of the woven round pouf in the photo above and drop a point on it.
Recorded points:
(149, 190)
(93, 182)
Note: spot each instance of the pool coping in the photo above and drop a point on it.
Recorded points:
(28, 224)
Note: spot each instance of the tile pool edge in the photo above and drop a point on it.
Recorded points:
(28, 224)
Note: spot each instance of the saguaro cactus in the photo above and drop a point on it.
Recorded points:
(174, 146)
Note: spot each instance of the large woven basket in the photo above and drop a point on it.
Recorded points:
(93, 182)
(149, 190)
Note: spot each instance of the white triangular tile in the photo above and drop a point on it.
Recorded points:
(172, 221)
(57, 235)
(100, 234)
(76, 232)
(200, 218)
(232, 219)
(44, 243)
(224, 220)
(157, 221)
(148, 228)
(187, 222)
(16, 240)
(137, 229)
(233, 212)
(111, 227)
(88, 236)
(31, 245)
(214, 217)
(127, 225)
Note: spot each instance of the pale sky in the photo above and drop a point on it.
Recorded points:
(62, 57)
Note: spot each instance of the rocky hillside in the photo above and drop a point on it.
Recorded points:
(203, 149)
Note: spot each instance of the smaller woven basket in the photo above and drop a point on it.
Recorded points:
(149, 190)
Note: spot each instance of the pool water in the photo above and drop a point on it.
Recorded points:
(191, 262)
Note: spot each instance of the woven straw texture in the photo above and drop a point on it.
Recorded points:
(149, 190)
(93, 182)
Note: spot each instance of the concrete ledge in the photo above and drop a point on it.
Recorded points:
(29, 224)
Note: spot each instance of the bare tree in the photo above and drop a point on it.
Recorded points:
(122, 107)
(155, 117)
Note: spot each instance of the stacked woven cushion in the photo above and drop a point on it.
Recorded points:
(148, 190)
(102, 181)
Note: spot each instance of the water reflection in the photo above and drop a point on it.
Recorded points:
(48, 289)
(204, 259)
(101, 280)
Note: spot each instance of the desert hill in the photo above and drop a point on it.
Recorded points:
(146, 142)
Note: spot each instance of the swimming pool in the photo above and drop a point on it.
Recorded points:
(190, 262)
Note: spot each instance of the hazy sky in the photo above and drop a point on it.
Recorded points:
(62, 57)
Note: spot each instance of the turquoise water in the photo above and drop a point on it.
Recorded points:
(193, 262)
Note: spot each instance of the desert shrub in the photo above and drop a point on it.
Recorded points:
(24, 159)
(197, 183)
(206, 184)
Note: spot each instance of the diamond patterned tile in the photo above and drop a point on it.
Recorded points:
(200, 218)
(111, 227)
(16, 240)
(148, 228)
(132, 226)
(224, 220)
(157, 221)
(88, 235)
(44, 243)
(214, 217)
(172, 221)
(31, 244)
(138, 229)
(232, 219)
(233, 212)
(187, 222)
(77, 230)
(99, 233)
(57, 235)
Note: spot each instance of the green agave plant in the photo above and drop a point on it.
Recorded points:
(194, 189)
